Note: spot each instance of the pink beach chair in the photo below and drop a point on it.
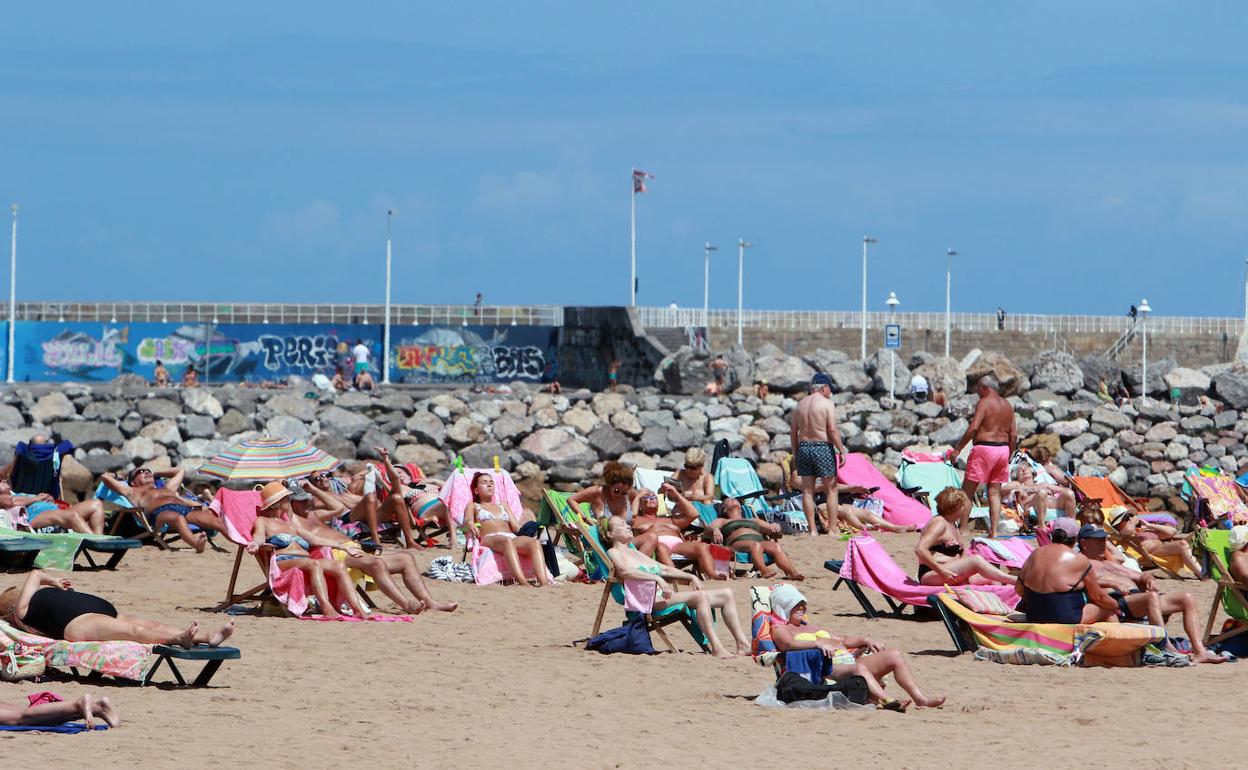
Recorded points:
(487, 566)
(899, 508)
(1009, 552)
(867, 564)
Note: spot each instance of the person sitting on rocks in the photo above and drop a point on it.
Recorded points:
(163, 506)
(754, 537)
(1137, 595)
(615, 496)
(50, 607)
(190, 378)
(843, 656)
(661, 536)
(380, 567)
(161, 375)
(1159, 540)
(364, 381)
(632, 565)
(941, 552)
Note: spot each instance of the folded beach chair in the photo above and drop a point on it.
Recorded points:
(1003, 641)
(899, 509)
(1106, 494)
(736, 477)
(867, 564)
(615, 589)
(125, 661)
(131, 522)
(1230, 596)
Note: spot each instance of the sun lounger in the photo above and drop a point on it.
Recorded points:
(1215, 497)
(899, 509)
(122, 661)
(1008, 552)
(867, 564)
(614, 589)
(64, 550)
(1230, 596)
(736, 477)
(1098, 644)
(18, 554)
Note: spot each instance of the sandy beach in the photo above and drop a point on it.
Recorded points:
(499, 683)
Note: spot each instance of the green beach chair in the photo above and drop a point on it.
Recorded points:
(1230, 596)
(614, 588)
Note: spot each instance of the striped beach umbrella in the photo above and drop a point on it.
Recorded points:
(268, 458)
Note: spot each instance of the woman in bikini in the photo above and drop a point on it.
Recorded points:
(753, 537)
(49, 606)
(631, 564)
(941, 552)
(842, 655)
(495, 527)
(615, 496)
(292, 542)
(1159, 540)
(660, 536)
(409, 504)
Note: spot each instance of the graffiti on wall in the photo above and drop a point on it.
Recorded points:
(477, 354)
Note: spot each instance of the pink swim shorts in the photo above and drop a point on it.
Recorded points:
(988, 464)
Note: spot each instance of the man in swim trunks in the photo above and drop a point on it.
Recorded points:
(163, 506)
(995, 435)
(1137, 595)
(1057, 588)
(816, 441)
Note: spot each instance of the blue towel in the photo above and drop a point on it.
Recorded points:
(67, 727)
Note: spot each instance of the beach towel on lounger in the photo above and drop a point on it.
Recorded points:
(899, 509)
(123, 660)
(456, 492)
(868, 564)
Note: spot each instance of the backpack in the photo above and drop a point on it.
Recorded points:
(633, 638)
(794, 687)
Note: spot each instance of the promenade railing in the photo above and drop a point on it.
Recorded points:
(253, 313)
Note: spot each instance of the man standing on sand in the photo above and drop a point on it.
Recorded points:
(995, 436)
(814, 432)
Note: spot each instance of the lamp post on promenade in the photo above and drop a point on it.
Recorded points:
(706, 283)
(1144, 311)
(12, 292)
(385, 341)
(866, 239)
(892, 303)
(949, 255)
(742, 245)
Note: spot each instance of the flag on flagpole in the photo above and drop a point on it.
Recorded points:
(639, 181)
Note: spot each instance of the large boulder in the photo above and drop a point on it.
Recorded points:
(141, 449)
(849, 377)
(464, 431)
(427, 427)
(96, 410)
(201, 401)
(1097, 369)
(1231, 386)
(295, 406)
(822, 360)
(163, 431)
(943, 373)
(1057, 371)
(883, 363)
(605, 405)
(52, 407)
(430, 460)
(609, 442)
(1012, 379)
(349, 425)
(285, 426)
(1157, 371)
(509, 428)
(552, 447)
(685, 371)
(88, 435)
(482, 454)
(783, 373)
(1188, 381)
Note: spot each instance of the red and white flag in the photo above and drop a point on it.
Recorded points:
(639, 181)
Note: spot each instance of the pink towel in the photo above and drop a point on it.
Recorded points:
(1019, 547)
(867, 563)
(238, 509)
(39, 698)
(456, 494)
(921, 457)
(639, 595)
(898, 508)
(489, 567)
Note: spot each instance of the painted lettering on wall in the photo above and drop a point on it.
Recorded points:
(298, 351)
(167, 350)
(476, 354)
(79, 351)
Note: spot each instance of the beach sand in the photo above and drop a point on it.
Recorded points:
(500, 684)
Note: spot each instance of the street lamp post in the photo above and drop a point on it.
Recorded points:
(892, 303)
(742, 245)
(385, 336)
(949, 255)
(866, 239)
(12, 292)
(1144, 311)
(706, 283)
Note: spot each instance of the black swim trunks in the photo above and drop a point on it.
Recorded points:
(816, 459)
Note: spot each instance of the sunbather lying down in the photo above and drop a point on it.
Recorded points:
(85, 708)
(49, 606)
(1160, 540)
(631, 564)
(843, 656)
(163, 506)
(42, 511)
(753, 537)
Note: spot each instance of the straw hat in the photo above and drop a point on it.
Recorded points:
(272, 493)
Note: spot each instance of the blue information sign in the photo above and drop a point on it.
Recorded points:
(892, 336)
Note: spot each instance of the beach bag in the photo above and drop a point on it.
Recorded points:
(446, 568)
(794, 687)
(17, 661)
(632, 638)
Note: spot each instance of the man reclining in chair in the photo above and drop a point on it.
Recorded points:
(751, 536)
(163, 506)
(660, 536)
(1137, 595)
(1023, 492)
(302, 501)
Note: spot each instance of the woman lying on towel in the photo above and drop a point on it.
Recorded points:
(941, 552)
(842, 655)
(300, 507)
(632, 565)
(491, 524)
(1159, 540)
(50, 607)
(661, 538)
(292, 544)
(754, 537)
(46, 713)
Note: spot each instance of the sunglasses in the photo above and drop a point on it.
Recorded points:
(320, 476)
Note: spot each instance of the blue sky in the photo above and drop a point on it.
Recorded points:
(1079, 158)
